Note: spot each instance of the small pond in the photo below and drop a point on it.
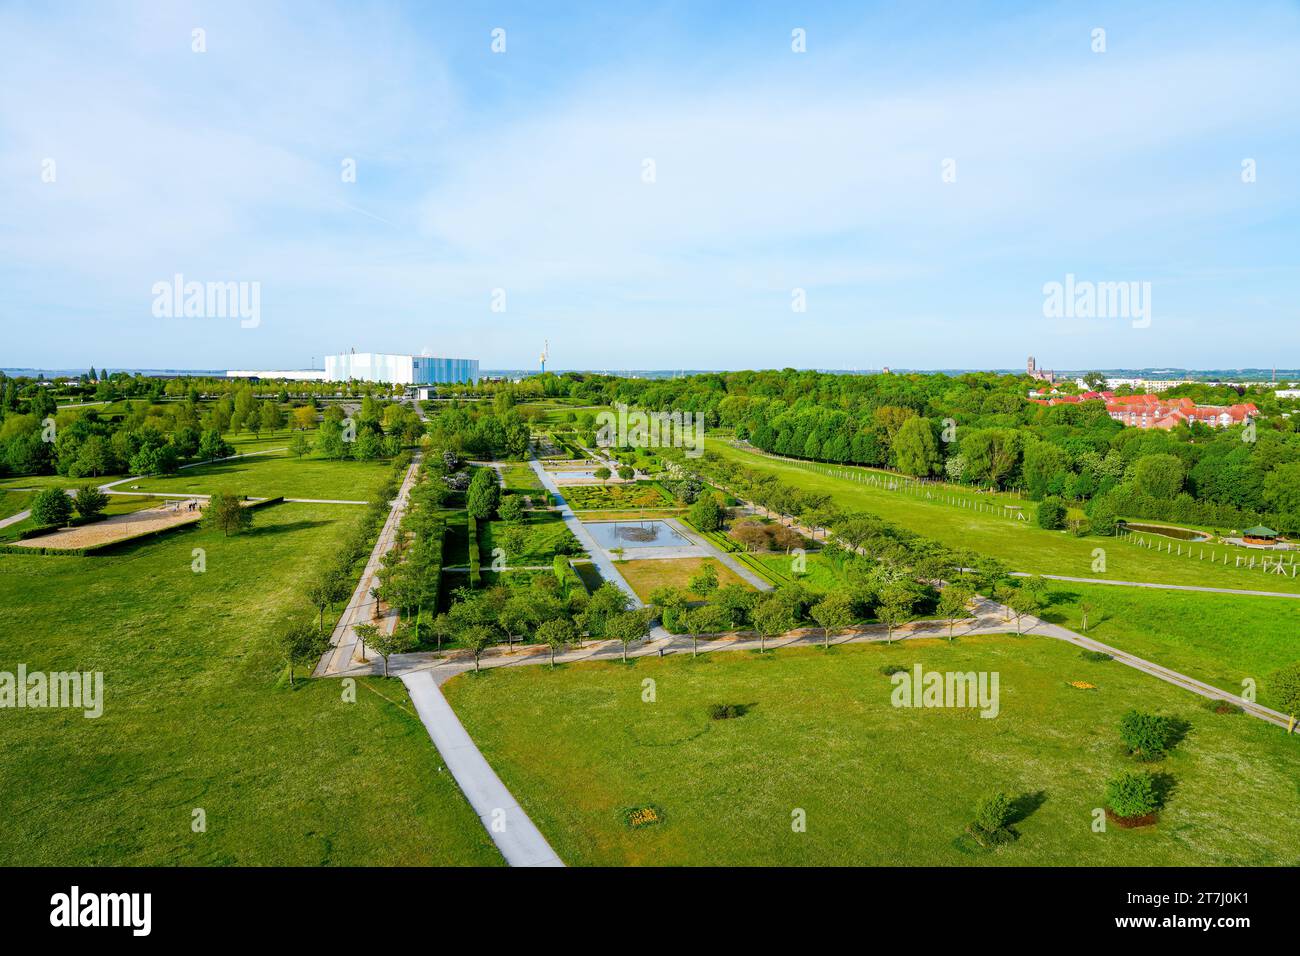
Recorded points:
(635, 534)
(1182, 534)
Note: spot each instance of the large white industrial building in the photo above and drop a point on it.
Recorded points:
(399, 369)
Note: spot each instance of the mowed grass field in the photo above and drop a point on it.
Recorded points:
(579, 747)
(543, 533)
(196, 717)
(12, 502)
(271, 474)
(646, 574)
(1221, 639)
(1020, 544)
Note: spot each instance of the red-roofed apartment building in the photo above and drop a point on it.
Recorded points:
(1151, 411)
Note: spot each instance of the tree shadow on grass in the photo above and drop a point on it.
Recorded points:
(1164, 785)
(1023, 806)
(1178, 731)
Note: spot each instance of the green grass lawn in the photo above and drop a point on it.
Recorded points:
(544, 533)
(242, 443)
(649, 573)
(12, 502)
(1023, 546)
(41, 482)
(194, 717)
(578, 747)
(1217, 638)
(521, 480)
(272, 474)
(819, 572)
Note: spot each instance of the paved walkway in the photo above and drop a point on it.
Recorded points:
(108, 488)
(361, 606)
(598, 556)
(1159, 587)
(714, 551)
(515, 835)
(990, 618)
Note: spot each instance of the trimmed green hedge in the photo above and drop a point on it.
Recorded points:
(567, 575)
(475, 566)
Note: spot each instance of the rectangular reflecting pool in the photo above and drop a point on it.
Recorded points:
(635, 534)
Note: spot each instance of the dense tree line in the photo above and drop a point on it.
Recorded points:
(979, 429)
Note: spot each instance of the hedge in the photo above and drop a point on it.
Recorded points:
(566, 574)
(475, 568)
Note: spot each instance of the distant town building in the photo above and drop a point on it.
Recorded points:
(1151, 411)
(1033, 371)
(399, 369)
(1147, 384)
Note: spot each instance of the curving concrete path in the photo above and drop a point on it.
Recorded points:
(989, 618)
(1158, 587)
(511, 829)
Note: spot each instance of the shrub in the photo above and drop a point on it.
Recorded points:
(1132, 795)
(705, 514)
(226, 512)
(1051, 514)
(993, 813)
(483, 495)
(52, 507)
(511, 508)
(889, 670)
(89, 501)
(1103, 514)
(992, 816)
(1283, 683)
(727, 711)
(1147, 736)
(1097, 657)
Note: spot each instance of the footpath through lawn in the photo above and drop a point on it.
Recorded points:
(584, 748)
(194, 718)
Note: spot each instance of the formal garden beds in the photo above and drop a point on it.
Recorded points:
(626, 496)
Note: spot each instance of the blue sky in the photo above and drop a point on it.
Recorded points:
(774, 171)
